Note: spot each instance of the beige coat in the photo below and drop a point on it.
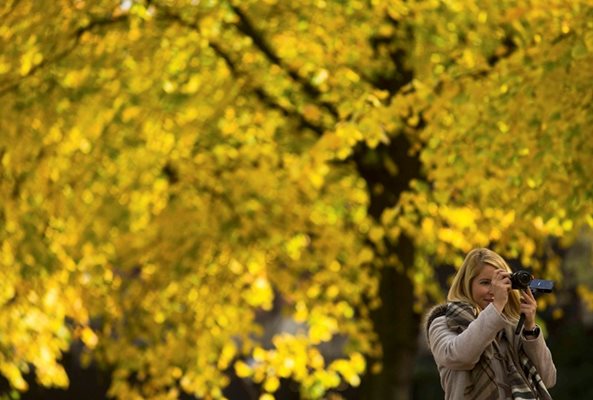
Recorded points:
(456, 354)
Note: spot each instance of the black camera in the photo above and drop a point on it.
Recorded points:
(523, 279)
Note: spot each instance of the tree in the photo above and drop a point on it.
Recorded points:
(169, 168)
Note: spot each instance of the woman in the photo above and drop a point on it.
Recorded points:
(473, 340)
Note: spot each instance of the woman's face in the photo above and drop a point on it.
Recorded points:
(481, 287)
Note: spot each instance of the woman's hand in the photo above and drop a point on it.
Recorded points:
(501, 286)
(528, 307)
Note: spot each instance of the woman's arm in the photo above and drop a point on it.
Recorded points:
(462, 351)
(536, 348)
(540, 355)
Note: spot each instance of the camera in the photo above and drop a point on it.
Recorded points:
(523, 279)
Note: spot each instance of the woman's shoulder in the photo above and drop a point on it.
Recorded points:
(440, 310)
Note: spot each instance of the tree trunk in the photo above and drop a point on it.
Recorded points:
(397, 327)
(395, 321)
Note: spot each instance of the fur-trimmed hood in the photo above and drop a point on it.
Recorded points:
(437, 311)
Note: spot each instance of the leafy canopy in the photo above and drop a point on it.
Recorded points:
(172, 170)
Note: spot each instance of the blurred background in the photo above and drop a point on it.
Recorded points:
(261, 199)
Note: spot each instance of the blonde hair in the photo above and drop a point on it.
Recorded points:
(473, 264)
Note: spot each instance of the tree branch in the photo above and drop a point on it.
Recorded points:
(9, 8)
(59, 56)
(236, 71)
(247, 28)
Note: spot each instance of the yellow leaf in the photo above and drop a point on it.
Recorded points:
(358, 362)
(89, 338)
(14, 376)
(271, 384)
(242, 369)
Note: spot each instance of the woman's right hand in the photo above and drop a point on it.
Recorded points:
(501, 286)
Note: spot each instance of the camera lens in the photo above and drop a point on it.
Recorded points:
(520, 279)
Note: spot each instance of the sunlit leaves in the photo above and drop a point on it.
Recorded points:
(171, 204)
(171, 172)
(503, 145)
(292, 357)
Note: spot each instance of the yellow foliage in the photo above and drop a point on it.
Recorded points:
(89, 338)
(171, 174)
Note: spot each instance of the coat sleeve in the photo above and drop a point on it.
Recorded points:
(541, 356)
(462, 351)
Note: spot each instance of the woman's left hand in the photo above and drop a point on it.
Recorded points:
(528, 307)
